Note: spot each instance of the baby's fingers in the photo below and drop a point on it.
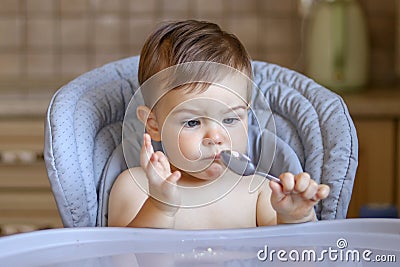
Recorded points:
(310, 191)
(277, 192)
(155, 171)
(146, 151)
(322, 192)
(163, 160)
(302, 182)
(288, 182)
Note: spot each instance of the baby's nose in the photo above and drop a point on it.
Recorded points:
(214, 136)
(210, 142)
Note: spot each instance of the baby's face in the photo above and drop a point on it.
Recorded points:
(196, 127)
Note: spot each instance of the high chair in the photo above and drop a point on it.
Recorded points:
(83, 134)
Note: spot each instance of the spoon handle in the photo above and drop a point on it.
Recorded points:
(269, 177)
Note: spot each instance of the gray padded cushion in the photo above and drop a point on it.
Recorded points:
(314, 133)
(83, 127)
(314, 122)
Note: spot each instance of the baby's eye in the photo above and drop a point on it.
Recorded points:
(191, 123)
(230, 120)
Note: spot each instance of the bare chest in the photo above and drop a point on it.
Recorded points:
(238, 209)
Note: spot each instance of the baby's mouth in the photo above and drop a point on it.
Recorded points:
(215, 157)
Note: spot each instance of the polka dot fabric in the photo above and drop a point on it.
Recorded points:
(314, 133)
(318, 128)
(83, 127)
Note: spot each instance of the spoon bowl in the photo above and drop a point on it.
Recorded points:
(241, 164)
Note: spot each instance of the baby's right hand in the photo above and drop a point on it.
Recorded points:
(162, 183)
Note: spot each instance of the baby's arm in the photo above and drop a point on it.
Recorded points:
(294, 200)
(156, 211)
(126, 199)
(130, 206)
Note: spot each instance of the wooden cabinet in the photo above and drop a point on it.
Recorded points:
(376, 115)
(25, 194)
(397, 195)
(375, 183)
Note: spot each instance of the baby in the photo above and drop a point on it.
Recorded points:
(187, 186)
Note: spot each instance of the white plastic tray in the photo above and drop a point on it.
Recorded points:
(356, 242)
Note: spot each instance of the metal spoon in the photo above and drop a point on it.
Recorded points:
(241, 164)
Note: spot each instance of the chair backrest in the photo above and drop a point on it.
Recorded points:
(83, 134)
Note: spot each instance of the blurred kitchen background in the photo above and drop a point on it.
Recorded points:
(56, 40)
(46, 43)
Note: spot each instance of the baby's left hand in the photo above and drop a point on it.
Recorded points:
(294, 200)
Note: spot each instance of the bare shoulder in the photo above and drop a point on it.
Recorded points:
(135, 175)
(127, 196)
(131, 180)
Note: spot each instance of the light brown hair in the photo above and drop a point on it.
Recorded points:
(173, 43)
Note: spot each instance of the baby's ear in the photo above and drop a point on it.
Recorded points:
(148, 118)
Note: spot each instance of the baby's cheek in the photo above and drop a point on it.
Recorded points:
(176, 148)
(239, 139)
(189, 146)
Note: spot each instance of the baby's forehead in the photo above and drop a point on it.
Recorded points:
(212, 101)
(241, 89)
(196, 77)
